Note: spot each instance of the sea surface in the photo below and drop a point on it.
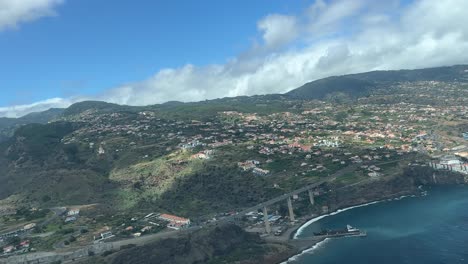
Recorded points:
(420, 230)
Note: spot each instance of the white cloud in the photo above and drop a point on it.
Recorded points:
(327, 16)
(14, 12)
(278, 30)
(389, 36)
(21, 110)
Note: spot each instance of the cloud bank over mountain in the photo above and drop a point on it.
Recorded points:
(327, 38)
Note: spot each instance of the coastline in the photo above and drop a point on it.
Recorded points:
(297, 231)
(311, 249)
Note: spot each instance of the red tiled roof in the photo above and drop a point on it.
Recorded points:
(173, 218)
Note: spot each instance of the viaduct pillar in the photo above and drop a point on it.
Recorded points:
(290, 208)
(311, 197)
(265, 219)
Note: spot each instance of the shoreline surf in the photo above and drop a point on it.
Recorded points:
(308, 250)
(320, 244)
(299, 231)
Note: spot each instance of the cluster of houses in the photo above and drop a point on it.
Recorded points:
(72, 215)
(15, 233)
(315, 129)
(103, 234)
(192, 144)
(394, 126)
(145, 225)
(205, 154)
(373, 170)
(251, 165)
(328, 143)
(400, 127)
(451, 163)
(22, 247)
(248, 165)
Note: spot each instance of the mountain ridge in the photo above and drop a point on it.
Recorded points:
(9, 125)
(360, 84)
(354, 85)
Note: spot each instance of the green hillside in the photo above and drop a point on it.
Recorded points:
(153, 157)
(9, 125)
(353, 86)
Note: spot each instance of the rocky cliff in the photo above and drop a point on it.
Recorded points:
(406, 183)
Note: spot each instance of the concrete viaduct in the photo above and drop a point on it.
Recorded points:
(287, 197)
(309, 188)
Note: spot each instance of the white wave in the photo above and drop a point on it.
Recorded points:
(309, 250)
(313, 220)
(401, 197)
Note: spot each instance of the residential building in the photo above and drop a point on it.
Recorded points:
(29, 226)
(73, 212)
(260, 172)
(175, 222)
(106, 235)
(8, 249)
(70, 219)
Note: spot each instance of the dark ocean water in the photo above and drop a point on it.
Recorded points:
(420, 230)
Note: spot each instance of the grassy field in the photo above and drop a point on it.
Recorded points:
(148, 180)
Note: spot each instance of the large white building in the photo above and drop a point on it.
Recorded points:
(175, 222)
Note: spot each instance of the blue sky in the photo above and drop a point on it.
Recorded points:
(92, 45)
(57, 52)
